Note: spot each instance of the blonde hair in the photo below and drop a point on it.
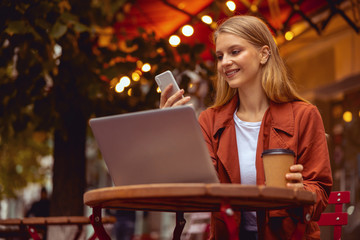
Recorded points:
(275, 79)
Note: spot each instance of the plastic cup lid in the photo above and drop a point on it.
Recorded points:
(277, 151)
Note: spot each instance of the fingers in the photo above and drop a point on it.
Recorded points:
(174, 100)
(181, 102)
(295, 185)
(171, 101)
(296, 168)
(295, 177)
(165, 95)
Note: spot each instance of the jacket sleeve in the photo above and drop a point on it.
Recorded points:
(314, 156)
(206, 125)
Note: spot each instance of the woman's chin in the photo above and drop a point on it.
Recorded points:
(233, 84)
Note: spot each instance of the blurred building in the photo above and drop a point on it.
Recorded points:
(326, 69)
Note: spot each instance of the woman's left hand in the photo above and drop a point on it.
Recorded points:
(295, 177)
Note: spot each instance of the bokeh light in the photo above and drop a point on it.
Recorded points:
(174, 40)
(231, 5)
(187, 30)
(119, 88)
(135, 76)
(206, 19)
(122, 84)
(289, 35)
(347, 116)
(146, 67)
(254, 8)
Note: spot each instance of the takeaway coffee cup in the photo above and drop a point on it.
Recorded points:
(277, 163)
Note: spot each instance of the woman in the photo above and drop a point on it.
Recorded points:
(256, 108)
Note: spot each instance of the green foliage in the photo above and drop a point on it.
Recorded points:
(20, 161)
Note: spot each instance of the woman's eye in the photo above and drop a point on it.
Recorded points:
(219, 57)
(235, 52)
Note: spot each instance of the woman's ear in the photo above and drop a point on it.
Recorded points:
(264, 54)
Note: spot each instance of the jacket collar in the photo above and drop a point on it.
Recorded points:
(225, 114)
(282, 116)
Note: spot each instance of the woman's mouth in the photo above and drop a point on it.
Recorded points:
(231, 73)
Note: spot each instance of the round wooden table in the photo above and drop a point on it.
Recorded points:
(194, 197)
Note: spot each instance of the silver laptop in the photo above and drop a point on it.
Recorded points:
(154, 146)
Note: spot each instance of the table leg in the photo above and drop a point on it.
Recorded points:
(261, 220)
(96, 222)
(78, 232)
(228, 214)
(180, 224)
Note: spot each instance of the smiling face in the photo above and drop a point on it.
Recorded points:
(238, 61)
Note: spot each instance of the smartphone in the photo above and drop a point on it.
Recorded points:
(166, 78)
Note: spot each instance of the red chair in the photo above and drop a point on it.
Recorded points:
(337, 218)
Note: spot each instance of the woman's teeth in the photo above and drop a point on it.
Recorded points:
(228, 74)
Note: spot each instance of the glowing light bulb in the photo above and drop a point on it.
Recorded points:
(231, 5)
(174, 40)
(289, 35)
(146, 67)
(206, 19)
(135, 76)
(253, 8)
(125, 81)
(347, 116)
(119, 88)
(122, 84)
(187, 30)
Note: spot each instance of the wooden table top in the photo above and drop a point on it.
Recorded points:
(196, 197)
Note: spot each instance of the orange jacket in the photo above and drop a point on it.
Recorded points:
(294, 125)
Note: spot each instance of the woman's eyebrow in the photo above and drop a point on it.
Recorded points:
(230, 47)
(234, 46)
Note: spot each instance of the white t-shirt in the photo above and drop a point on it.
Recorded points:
(247, 134)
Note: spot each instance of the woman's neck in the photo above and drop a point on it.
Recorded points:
(253, 105)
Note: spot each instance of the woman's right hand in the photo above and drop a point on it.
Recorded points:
(174, 100)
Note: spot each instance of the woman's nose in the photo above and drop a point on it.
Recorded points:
(226, 61)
